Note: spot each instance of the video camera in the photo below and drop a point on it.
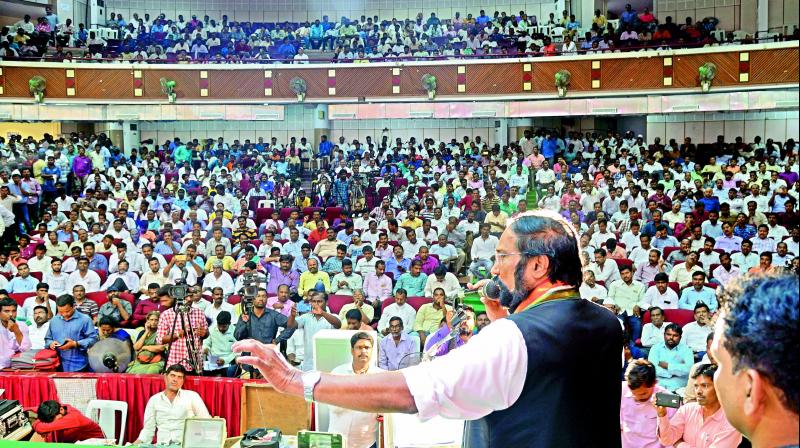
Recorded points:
(250, 281)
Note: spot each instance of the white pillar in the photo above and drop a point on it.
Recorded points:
(65, 9)
(762, 17)
(501, 131)
(130, 136)
(322, 124)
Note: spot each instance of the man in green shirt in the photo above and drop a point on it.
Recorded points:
(412, 281)
(220, 360)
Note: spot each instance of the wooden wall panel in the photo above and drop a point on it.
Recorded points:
(104, 84)
(776, 66)
(364, 81)
(637, 71)
(494, 79)
(544, 75)
(223, 84)
(187, 83)
(16, 84)
(446, 80)
(637, 74)
(686, 69)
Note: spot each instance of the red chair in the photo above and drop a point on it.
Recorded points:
(680, 317)
(337, 302)
(106, 255)
(332, 213)
(668, 250)
(127, 296)
(253, 203)
(711, 269)
(256, 243)
(9, 275)
(102, 274)
(285, 212)
(234, 299)
(674, 285)
(417, 302)
(623, 262)
(20, 297)
(99, 297)
(37, 275)
(308, 211)
(168, 257)
(262, 214)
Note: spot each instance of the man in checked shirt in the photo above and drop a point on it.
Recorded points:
(172, 332)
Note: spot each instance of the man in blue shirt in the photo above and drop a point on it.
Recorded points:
(286, 50)
(96, 262)
(672, 359)
(23, 282)
(549, 147)
(482, 19)
(629, 16)
(71, 334)
(50, 174)
(697, 293)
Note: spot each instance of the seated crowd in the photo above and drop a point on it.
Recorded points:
(162, 39)
(93, 239)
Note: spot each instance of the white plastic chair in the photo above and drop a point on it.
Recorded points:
(104, 413)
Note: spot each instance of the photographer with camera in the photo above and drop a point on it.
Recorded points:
(182, 327)
(261, 323)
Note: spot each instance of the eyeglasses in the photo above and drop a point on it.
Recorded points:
(500, 256)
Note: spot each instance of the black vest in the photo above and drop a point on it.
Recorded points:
(571, 395)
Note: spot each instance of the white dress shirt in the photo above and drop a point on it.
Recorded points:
(695, 335)
(652, 335)
(36, 334)
(360, 428)
(653, 297)
(484, 248)
(166, 419)
(406, 312)
(91, 281)
(454, 386)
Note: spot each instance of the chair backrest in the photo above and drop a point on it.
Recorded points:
(676, 316)
(104, 413)
(417, 302)
(337, 302)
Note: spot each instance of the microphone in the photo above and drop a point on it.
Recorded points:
(490, 289)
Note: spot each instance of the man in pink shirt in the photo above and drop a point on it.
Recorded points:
(281, 302)
(700, 424)
(637, 415)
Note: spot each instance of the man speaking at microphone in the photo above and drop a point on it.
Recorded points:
(546, 373)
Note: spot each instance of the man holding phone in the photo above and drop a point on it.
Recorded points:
(700, 424)
(637, 416)
(71, 334)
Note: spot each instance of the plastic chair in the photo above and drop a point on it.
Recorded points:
(104, 413)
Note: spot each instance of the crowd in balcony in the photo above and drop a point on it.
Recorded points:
(184, 40)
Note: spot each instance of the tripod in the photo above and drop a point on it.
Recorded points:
(182, 309)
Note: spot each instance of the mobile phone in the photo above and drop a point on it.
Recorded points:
(668, 400)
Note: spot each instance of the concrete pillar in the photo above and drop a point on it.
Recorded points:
(584, 11)
(501, 131)
(762, 17)
(130, 136)
(322, 124)
(65, 9)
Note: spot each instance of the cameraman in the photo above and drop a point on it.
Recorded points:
(262, 323)
(176, 332)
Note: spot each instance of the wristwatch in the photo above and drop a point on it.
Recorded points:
(310, 380)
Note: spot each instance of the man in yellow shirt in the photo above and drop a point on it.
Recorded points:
(430, 315)
(411, 222)
(219, 255)
(327, 247)
(313, 279)
(496, 220)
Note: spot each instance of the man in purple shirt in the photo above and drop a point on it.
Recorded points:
(398, 350)
(282, 275)
(437, 345)
(281, 302)
(428, 263)
(81, 167)
(637, 415)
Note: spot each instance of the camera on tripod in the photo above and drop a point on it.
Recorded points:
(179, 291)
